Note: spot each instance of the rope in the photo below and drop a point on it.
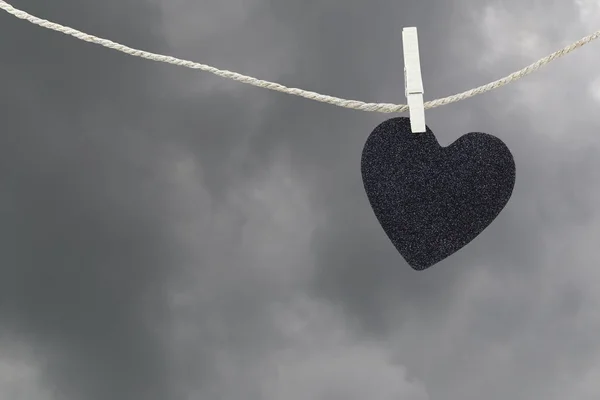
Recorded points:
(352, 104)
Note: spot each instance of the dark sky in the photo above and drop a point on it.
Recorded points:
(166, 234)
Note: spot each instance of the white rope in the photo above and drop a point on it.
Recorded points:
(352, 104)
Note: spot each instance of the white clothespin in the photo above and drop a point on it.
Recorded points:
(413, 82)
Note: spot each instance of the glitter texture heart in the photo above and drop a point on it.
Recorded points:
(431, 200)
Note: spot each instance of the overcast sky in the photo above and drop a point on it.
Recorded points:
(166, 234)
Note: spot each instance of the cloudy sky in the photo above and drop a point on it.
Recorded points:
(166, 234)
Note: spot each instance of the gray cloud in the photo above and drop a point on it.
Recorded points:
(84, 255)
(167, 234)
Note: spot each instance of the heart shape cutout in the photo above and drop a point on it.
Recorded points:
(431, 200)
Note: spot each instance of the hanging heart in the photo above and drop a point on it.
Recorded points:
(431, 200)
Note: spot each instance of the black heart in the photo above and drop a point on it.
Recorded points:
(431, 200)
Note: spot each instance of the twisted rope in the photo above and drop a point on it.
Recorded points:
(352, 104)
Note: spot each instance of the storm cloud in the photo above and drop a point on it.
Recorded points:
(168, 234)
